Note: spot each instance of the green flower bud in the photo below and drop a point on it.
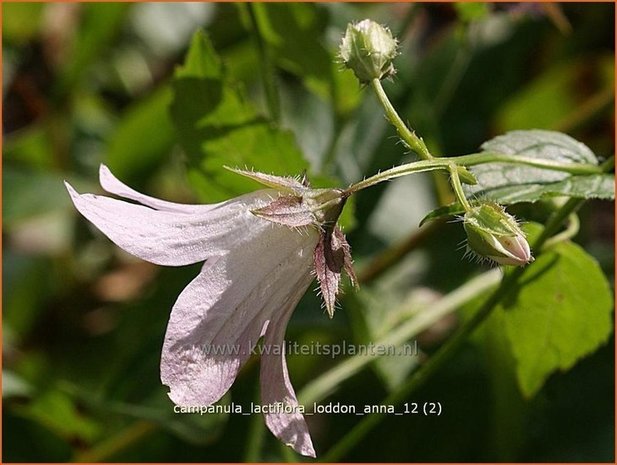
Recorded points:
(368, 50)
(495, 234)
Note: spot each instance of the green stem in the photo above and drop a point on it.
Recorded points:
(445, 163)
(571, 230)
(490, 157)
(414, 142)
(457, 187)
(453, 344)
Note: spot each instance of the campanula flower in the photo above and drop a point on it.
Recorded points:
(261, 251)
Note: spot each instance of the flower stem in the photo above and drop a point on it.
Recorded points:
(571, 230)
(457, 187)
(419, 377)
(490, 157)
(445, 163)
(414, 142)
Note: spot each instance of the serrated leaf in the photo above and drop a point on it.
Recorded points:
(305, 55)
(560, 313)
(216, 127)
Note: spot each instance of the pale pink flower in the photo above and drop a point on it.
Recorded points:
(261, 251)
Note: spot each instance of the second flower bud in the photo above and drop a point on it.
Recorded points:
(368, 49)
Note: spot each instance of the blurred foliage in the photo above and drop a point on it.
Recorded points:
(166, 94)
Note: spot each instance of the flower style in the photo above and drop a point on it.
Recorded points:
(261, 251)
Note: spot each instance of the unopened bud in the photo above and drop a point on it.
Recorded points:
(368, 50)
(495, 234)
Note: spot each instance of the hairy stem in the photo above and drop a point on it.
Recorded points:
(414, 142)
(457, 187)
(445, 163)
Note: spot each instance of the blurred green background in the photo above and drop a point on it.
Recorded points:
(83, 322)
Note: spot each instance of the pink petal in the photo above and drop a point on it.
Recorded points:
(276, 387)
(227, 308)
(114, 186)
(175, 238)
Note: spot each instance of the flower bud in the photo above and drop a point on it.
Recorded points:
(368, 50)
(495, 234)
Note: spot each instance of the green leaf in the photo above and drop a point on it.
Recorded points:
(543, 102)
(293, 32)
(447, 210)
(593, 186)
(216, 127)
(257, 145)
(143, 136)
(560, 312)
(508, 183)
(497, 181)
(58, 412)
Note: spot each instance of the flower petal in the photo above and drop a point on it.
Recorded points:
(276, 388)
(175, 238)
(114, 186)
(219, 317)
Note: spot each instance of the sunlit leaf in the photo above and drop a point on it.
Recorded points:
(143, 137)
(560, 313)
(508, 183)
(217, 127)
